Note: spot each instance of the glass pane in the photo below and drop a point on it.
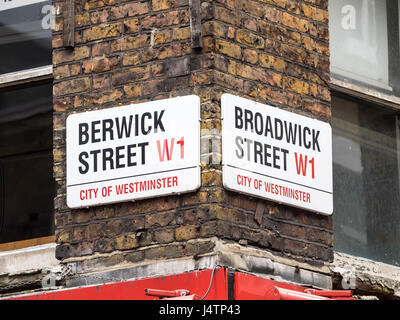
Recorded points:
(366, 141)
(25, 120)
(28, 200)
(25, 35)
(26, 163)
(359, 42)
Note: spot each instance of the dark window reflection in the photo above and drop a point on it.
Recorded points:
(26, 174)
(25, 37)
(366, 145)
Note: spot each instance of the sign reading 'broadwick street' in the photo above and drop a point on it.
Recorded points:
(133, 152)
(277, 155)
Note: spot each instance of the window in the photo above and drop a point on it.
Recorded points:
(26, 120)
(366, 149)
(25, 35)
(366, 129)
(365, 43)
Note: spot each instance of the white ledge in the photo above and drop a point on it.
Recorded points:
(369, 271)
(365, 93)
(31, 258)
(24, 76)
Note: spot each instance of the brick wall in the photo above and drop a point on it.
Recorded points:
(275, 52)
(272, 51)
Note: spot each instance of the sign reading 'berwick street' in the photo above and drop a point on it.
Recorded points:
(276, 155)
(133, 152)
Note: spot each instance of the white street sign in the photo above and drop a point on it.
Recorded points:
(133, 152)
(277, 155)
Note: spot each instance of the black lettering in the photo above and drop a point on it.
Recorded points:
(145, 115)
(258, 151)
(238, 118)
(158, 122)
(108, 157)
(95, 153)
(278, 136)
(267, 155)
(143, 145)
(123, 127)
(118, 157)
(95, 130)
(131, 155)
(85, 168)
(268, 128)
(290, 132)
(315, 140)
(83, 133)
(258, 123)
(136, 125)
(107, 127)
(285, 153)
(276, 157)
(248, 120)
(239, 141)
(307, 145)
(300, 140)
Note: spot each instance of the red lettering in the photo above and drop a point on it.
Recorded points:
(312, 168)
(88, 194)
(301, 166)
(181, 142)
(166, 149)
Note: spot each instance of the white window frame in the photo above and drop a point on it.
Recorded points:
(26, 76)
(35, 256)
(365, 93)
(366, 270)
